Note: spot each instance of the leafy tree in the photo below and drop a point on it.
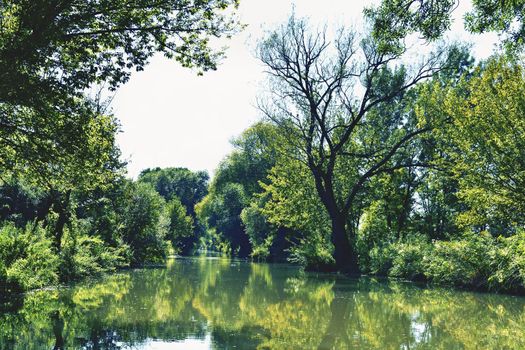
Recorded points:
(293, 204)
(255, 153)
(343, 135)
(55, 50)
(486, 114)
(239, 177)
(394, 20)
(144, 224)
(188, 186)
(180, 230)
(222, 211)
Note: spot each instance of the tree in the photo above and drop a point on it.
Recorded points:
(222, 211)
(486, 155)
(188, 186)
(180, 229)
(254, 154)
(180, 184)
(240, 176)
(50, 46)
(52, 52)
(393, 20)
(145, 224)
(332, 126)
(81, 158)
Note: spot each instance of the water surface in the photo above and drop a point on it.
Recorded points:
(216, 303)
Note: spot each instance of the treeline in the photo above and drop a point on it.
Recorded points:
(367, 163)
(127, 223)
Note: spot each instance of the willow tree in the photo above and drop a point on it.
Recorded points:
(342, 105)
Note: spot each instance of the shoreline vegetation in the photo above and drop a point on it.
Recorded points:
(365, 161)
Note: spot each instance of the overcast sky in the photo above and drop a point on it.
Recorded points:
(171, 117)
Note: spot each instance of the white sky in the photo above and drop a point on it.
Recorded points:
(172, 117)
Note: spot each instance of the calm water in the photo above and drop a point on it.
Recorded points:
(212, 303)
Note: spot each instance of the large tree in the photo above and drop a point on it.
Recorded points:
(344, 133)
(53, 51)
(486, 151)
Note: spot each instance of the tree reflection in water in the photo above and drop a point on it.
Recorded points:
(221, 304)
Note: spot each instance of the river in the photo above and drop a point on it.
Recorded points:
(218, 303)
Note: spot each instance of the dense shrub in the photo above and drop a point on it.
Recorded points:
(85, 256)
(314, 253)
(475, 261)
(461, 263)
(380, 260)
(408, 260)
(28, 259)
(508, 264)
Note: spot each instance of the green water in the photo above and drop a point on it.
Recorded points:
(213, 303)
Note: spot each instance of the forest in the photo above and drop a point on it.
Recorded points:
(365, 160)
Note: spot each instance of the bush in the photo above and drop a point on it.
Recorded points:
(380, 260)
(85, 256)
(508, 264)
(408, 259)
(461, 263)
(476, 261)
(314, 253)
(28, 259)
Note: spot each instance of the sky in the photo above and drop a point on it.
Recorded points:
(170, 117)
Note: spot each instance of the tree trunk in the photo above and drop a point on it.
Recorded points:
(345, 255)
(62, 208)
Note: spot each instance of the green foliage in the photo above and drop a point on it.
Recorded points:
(394, 20)
(83, 256)
(380, 260)
(481, 143)
(313, 253)
(260, 232)
(75, 48)
(462, 263)
(373, 232)
(508, 264)
(474, 261)
(504, 17)
(180, 230)
(60, 144)
(255, 153)
(408, 260)
(28, 259)
(186, 187)
(293, 204)
(236, 187)
(189, 187)
(212, 241)
(145, 224)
